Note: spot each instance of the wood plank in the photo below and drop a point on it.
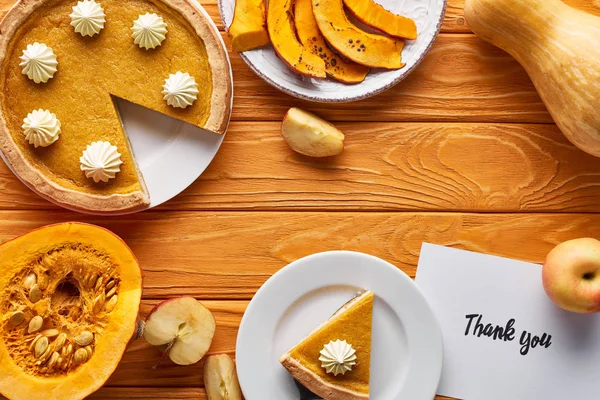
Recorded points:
(387, 166)
(223, 255)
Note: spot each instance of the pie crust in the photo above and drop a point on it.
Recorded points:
(35, 179)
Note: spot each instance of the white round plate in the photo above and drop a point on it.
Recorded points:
(407, 351)
(171, 154)
(428, 15)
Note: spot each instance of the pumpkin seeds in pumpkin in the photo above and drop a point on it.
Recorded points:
(43, 280)
(98, 284)
(111, 303)
(29, 281)
(16, 319)
(84, 338)
(35, 324)
(98, 303)
(89, 350)
(80, 356)
(33, 342)
(60, 342)
(41, 345)
(50, 333)
(53, 360)
(35, 294)
(110, 284)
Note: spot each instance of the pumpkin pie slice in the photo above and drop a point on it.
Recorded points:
(334, 361)
(92, 71)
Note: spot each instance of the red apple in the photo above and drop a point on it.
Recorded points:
(571, 275)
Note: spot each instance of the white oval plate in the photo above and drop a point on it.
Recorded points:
(429, 16)
(407, 349)
(171, 154)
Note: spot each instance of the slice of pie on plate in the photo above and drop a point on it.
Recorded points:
(62, 62)
(334, 361)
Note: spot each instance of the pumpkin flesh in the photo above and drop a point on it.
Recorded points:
(282, 30)
(559, 48)
(249, 27)
(310, 36)
(374, 15)
(85, 284)
(364, 48)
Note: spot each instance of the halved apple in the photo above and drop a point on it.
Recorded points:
(310, 37)
(368, 49)
(374, 15)
(310, 135)
(220, 378)
(280, 22)
(184, 325)
(249, 27)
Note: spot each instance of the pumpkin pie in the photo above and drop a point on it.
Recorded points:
(334, 361)
(98, 61)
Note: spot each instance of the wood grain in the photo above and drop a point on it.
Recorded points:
(225, 255)
(407, 166)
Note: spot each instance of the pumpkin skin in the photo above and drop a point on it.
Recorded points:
(364, 48)
(310, 36)
(374, 15)
(282, 30)
(249, 27)
(68, 260)
(559, 48)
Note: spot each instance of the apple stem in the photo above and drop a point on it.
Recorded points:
(164, 354)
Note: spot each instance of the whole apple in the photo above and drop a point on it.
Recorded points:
(571, 275)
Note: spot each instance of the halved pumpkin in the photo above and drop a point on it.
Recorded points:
(68, 307)
(310, 36)
(282, 30)
(374, 15)
(249, 27)
(368, 49)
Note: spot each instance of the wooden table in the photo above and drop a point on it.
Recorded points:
(463, 153)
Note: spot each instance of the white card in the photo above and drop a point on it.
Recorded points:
(565, 364)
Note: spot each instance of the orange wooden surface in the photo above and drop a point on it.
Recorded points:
(463, 153)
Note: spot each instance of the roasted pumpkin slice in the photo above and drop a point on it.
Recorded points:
(310, 36)
(374, 15)
(68, 307)
(368, 49)
(282, 29)
(249, 27)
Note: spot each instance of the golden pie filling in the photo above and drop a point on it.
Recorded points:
(91, 72)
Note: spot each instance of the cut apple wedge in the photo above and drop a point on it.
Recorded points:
(248, 30)
(184, 325)
(220, 378)
(310, 135)
(374, 15)
(368, 49)
(310, 37)
(282, 30)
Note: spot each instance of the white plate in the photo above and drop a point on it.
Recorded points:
(428, 15)
(171, 154)
(407, 351)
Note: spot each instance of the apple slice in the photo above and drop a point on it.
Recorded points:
(310, 135)
(184, 326)
(220, 378)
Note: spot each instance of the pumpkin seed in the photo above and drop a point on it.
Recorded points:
(89, 350)
(44, 357)
(111, 292)
(111, 303)
(60, 342)
(98, 284)
(43, 281)
(50, 333)
(29, 281)
(33, 342)
(98, 303)
(110, 285)
(53, 360)
(35, 324)
(16, 319)
(35, 294)
(41, 345)
(84, 338)
(80, 356)
(91, 280)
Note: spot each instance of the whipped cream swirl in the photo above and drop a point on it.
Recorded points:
(180, 90)
(39, 62)
(149, 31)
(88, 18)
(41, 128)
(338, 357)
(101, 161)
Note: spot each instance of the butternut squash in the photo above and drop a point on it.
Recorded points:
(364, 48)
(310, 36)
(249, 27)
(282, 30)
(68, 307)
(559, 47)
(374, 15)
